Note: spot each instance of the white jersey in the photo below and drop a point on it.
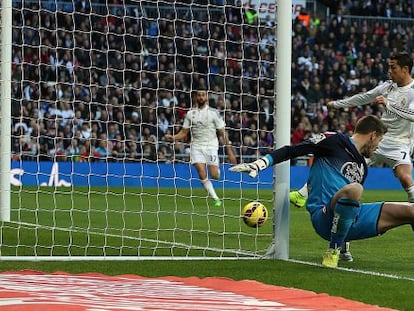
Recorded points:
(203, 124)
(398, 114)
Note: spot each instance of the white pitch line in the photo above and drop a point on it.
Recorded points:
(373, 273)
(105, 234)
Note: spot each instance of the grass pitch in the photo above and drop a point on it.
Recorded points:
(382, 273)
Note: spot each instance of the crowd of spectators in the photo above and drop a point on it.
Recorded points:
(96, 84)
(380, 8)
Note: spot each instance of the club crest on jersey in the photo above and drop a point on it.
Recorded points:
(353, 172)
(317, 138)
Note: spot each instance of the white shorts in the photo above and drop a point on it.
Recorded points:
(204, 155)
(391, 156)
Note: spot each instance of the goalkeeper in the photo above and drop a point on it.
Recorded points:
(397, 97)
(335, 187)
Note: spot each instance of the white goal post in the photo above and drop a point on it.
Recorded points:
(95, 86)
(5, 107)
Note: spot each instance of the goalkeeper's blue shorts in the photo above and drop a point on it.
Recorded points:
(364, 226)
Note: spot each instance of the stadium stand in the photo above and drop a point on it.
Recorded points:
(81, 110)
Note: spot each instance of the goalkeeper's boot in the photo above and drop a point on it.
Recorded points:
(251, 168)
(217, 203)
(330, 258)
(297, 199)
(345, 254)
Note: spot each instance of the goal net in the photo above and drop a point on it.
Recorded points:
(95, 89)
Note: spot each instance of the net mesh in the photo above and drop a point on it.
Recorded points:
(95, 89)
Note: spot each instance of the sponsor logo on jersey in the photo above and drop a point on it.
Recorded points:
(353, 172)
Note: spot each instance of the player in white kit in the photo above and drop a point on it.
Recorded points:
(397, 96)
(205, 125)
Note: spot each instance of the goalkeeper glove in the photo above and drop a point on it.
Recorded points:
(251, 168)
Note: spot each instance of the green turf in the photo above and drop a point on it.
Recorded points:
(134, 222)
(390, 254)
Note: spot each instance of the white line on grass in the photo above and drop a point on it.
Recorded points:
(237, 252)
(373, 273)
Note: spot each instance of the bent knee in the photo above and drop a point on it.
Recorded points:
(351, 191)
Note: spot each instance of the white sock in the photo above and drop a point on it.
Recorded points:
(210, 189)
(304, 190)
(410, 192)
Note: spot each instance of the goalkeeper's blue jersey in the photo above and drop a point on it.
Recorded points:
(337, 163)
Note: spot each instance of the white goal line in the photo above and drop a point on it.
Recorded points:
(373, 273)
(237, 253)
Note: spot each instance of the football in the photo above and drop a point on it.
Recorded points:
(254, 214)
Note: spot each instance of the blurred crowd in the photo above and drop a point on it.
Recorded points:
(100, 84)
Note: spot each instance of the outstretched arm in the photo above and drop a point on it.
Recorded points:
(182, 134)
(361, 98)
(277, 156)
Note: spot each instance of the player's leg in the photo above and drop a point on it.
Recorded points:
(379, 217)
(345, 253)
(298, 197)
(199, 158)
(212, 160)
(214, 171)
(404, 174)
(345, 205)
(399, 159)
(395, 214)
(206, 182)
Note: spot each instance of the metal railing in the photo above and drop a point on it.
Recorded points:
(371, 21)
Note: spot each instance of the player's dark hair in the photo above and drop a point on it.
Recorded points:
(370, 123)
(403, 59)
(195, 92)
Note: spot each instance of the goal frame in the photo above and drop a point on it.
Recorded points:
(280, 246)
(5, 108)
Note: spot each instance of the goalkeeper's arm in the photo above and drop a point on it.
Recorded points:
(279, 155)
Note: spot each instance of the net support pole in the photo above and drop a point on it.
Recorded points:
(283, 47)
(5, 108)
